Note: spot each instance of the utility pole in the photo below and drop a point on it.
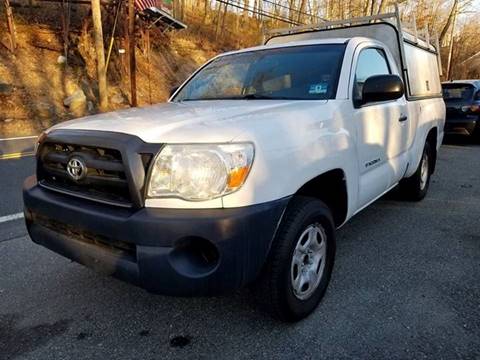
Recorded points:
(450, 50)
(10, 26)
(99, 50)
(131, 52)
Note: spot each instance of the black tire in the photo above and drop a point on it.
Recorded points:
(414, 188)
(274, 287)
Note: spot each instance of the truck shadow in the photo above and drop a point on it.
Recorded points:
(461, 140)
(17, 340)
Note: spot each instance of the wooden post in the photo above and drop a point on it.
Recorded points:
(102, 75)
(10, 26)
(131, 53)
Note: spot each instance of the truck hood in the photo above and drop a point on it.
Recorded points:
(195, 121)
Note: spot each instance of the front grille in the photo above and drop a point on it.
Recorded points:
(114, 246)
(105, 179)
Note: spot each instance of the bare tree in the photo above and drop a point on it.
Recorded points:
(100, 52)
(450, 18)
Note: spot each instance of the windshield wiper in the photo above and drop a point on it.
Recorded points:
(256, 97)
(267, 97)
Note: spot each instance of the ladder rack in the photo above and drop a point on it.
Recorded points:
(412, 35)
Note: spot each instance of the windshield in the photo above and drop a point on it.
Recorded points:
(457, 92)
(299, 72)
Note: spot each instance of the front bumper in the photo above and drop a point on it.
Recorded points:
(181, 252)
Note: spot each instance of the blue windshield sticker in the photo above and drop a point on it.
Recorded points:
(320, 88)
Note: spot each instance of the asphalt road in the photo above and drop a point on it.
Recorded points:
(12, 147)
(406, 284)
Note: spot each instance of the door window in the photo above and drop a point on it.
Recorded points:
(371, 61)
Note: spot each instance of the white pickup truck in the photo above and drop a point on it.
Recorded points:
(245, 174)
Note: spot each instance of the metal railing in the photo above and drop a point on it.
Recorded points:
(422, 40)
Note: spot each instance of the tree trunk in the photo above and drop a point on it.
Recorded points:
(372, 7)
(367, 6)
(10, 26)
(205, 11)
(451, 15)
(291, 10)
(223, 19)
(381, 7)
(237, 26)
(245, 11)
(99, 50)
(450, 51)
(181, 4)
(301, 11)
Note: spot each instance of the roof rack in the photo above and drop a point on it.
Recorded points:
(419, 38)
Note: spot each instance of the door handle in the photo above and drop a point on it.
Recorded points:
(403, 118)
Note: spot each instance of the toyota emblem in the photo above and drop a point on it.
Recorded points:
(76, 168)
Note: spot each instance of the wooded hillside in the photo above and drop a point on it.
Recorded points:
(51, 75)
(454, 21)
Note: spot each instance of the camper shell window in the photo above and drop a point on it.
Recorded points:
(423, 77)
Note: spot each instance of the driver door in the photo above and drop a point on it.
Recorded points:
(381, 128)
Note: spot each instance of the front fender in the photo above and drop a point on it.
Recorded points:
(294, 152)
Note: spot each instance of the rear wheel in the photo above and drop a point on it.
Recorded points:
(416, 186)
(300, 263)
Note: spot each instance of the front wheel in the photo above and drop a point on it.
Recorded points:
(416, 186)
(300, 263)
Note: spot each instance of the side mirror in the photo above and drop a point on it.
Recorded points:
(172, 90)
(382, 88)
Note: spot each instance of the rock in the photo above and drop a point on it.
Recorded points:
(45, 110)
(88, 90)
(77, 98)
(61, 59)
(76, 103)
(43, 105)
(117, 99)
(6, 89)
(8, 120)
(71, 87)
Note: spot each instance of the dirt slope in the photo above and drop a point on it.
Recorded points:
(35, 84)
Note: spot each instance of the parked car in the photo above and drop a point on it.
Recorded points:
(462, 99)
(243, 177)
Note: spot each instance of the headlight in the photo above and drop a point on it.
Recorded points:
(200, 172)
